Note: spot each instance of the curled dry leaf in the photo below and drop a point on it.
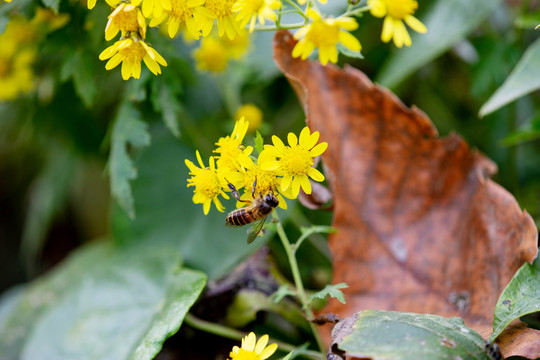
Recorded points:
(519, 340)
(421, 227)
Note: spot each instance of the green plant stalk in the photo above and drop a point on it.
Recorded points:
(298, 9)
(301, 293)
(234, 334)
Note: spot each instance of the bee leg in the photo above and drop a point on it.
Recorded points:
(253, 189)
(235, 193)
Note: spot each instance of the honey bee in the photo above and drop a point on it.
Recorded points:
(255, 212)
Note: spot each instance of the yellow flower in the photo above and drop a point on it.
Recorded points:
(251, 350)
(208, 184)
(232, 153)
(252, 114)
(154, 8)
(250, 10)
(395, 12)
(294, 162)
(325, 34)
(189, 12)
(211, 55)
(236, 47)
(125, 18)
(222, 9)
(130, 52)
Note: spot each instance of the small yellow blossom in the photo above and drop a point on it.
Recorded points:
(251, 350)
(190, 13)
(236, 48)
(130, 52)
(125, 18)
(226, 22)
(251, 10)
(211, 55)
(325, 34)
(232, 153)
(208, 184)
(8, 1)
(154, 8)
(294, 162)
(395, 12)
(252, 114)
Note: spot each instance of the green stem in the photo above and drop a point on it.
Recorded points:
(299, 10)
(357, 11)
(280, 27)
(301, 293)
(234, 334)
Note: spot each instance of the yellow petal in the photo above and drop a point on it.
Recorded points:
(388, 29)
(318, 149)
(292, 139)
(415, 24)
(315, 174)
(349, 41)
(126, 70)
(306, 185)
(113, 62)
(261, 344)
(152, 65)
(249, 344)
(206, 206)
(270, 349)
(286, 182)
(136, 69)
(173, 27)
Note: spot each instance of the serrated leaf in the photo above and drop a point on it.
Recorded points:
(165, 95)
(447, 22)
(403, 336)
(80, 68)
(332, 291)
(524, 79)
(128, 129)
(104, 302)
(281, 293)
(349, 53)
(521, 297)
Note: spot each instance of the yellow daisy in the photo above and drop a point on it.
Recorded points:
(395, 12)
(125, 18)
(251, 10)
(232, 153)
(252, 114)
(226, 23)
(211, 55)
(190, 13)
(294, 162)
(208, 184)
(325, 34)
(130, 52)
(251, 350)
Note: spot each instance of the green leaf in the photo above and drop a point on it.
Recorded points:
(349, 53)
(332, 291)
(527, 133)
(259, 142)
(128, 129)
(104, 302)
(520, 297)
(395, 335)
(52, 4)
(165, 95)
(166, 213)
(81, 69)
(447, 22)
(524, 79)
(283, 291)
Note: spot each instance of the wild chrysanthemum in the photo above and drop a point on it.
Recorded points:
(226, 22)
(130, 52)
(208, 184)
(188, 12)
(294, 162)
(252, 114)
(251, 10)
(251, 350)
(211, 55)
(325, 34)
(16, 74)
(395, 12)
(125, 18)
(232, 153)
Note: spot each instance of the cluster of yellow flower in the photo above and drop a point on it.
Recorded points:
(252, 349)
(19, 48)
(278, 168)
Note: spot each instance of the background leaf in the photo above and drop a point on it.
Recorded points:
(524, 79)
(105, 302)
(394, 335)
(128, 129)
(448, 22)
(521, 297)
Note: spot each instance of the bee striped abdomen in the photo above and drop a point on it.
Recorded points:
(240, 217)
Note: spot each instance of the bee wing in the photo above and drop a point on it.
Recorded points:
(255, 229)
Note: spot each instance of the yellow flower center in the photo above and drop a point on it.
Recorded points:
(399, 9)
(221, 8)
(126, 20)
(296, 160)
(323, 33)
(243, 354)
(134, 52)
(180, 10)
(207, 183)
(266, 180)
